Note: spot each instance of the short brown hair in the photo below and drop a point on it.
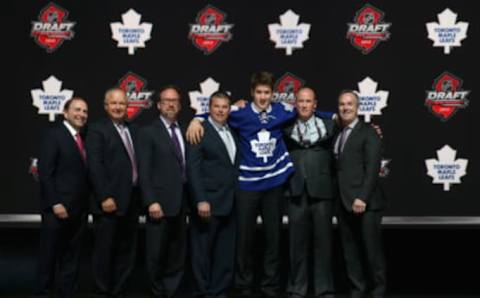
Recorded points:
(69, 102)
(170, 86)
(261, 78)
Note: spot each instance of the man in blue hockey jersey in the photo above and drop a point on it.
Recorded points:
(265, 166)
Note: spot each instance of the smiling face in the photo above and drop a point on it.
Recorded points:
(116, 104)
(348, 107)
(76, 114)
(306, 103)
(219, 109)
(262, 96)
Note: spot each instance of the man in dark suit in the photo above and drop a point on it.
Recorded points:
(163, 185)
(213, 178)
(358, 153)
(310, 198)
(111, 152)
(64, 188)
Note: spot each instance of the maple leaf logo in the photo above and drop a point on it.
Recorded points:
(447, 169)
(131, 34)
(371, 100)
(264, 146)
(289, 35)
(447, 33)
(51, 99)
(199, 100)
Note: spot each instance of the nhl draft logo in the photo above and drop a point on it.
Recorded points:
(371, 100)
(286, 87)
(447, 96)
(51, 99)
(139, 99)
(447, 33)
(384, 170)
(33, 168)
(264, 146)
(200, 100)
(289, 35)
(446, 169)
(368, 29)
(52, 27)
(131, 34)
(210, 30)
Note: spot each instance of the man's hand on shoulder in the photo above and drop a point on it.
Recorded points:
(195, 131)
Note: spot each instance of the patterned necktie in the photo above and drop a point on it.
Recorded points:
(178, 150)
(131, 152)
(81, 148)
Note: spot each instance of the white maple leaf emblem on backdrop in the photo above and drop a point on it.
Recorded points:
(371, 100)
(51, 99)
(289, 35)
(447, 169)
(199, 100)
(131, 34)
(447, 33)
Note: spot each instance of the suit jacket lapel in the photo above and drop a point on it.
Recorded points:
(353, 133)
(69, 138)
(116, 135)
(217, 139)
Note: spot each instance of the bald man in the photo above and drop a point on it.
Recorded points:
(310, 198)
(111, 152)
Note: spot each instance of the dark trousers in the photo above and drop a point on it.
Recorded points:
(59, 251)
(363, 252)
(114, 251)
(310, 235)
(213, 252)
(165, 249)
(269, 204)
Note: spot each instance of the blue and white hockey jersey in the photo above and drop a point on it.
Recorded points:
(265, 162)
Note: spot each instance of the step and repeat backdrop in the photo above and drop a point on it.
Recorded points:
(413, 63)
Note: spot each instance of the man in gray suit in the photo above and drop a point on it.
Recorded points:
(310, 198)
(213, 180)
(358, 153)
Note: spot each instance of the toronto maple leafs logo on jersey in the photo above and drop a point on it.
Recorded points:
(447, 33)
(200, 100)
(264, 146)
(368, 29)
(139, 98)
(51, 99)
(447, 96)
(210, 30)
(52, 27)
(289, 34)
(286, 87)
(446, 169)
(371, 100)
(131, 33)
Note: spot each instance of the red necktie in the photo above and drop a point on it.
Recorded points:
(78, 140)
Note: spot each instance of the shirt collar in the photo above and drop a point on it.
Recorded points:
(217, 125)
(310, 121)
(256, 110)
(354, 122)
(70, 128)
(167, 122)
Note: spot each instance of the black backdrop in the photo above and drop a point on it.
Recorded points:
(405, 65)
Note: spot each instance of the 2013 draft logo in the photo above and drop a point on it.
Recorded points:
(210, 30)
(286, 87)
(139, 98)
(51, 99)
(447, 96)
(131, 33)
(368, 29)
(52, 27)
(447, 32)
